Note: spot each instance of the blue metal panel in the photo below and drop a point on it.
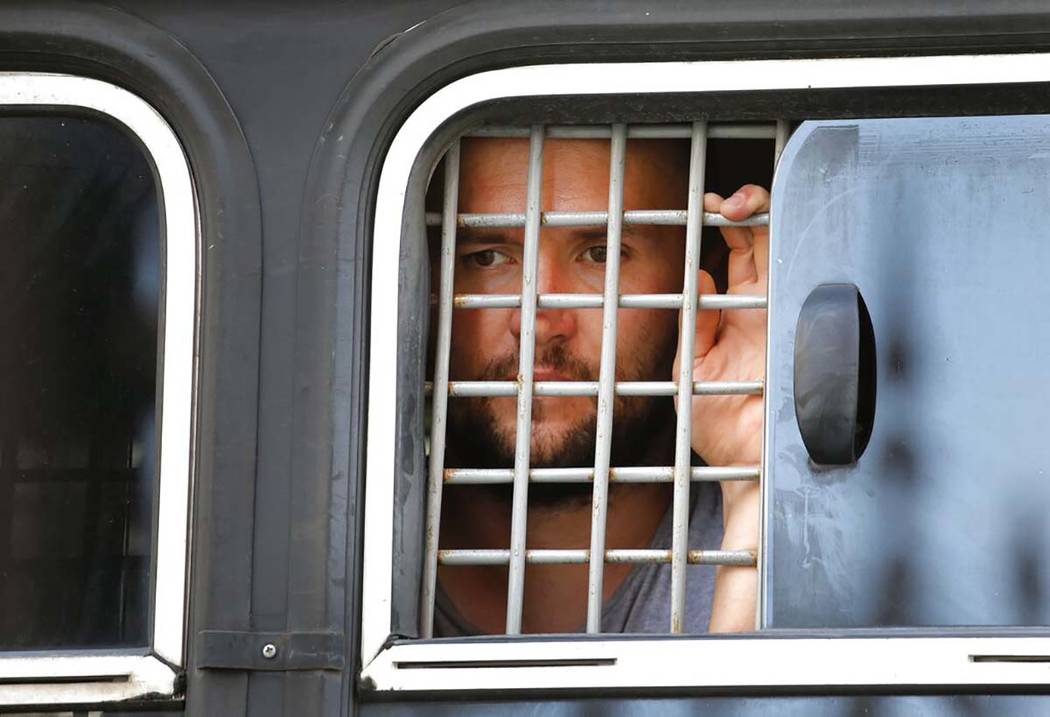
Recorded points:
(941, 224)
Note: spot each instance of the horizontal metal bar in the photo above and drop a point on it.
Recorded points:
(626, 474)
(635, 217)
(590, 388)
(595, 301)
(639, 131)
(745, 558)
(659, 217)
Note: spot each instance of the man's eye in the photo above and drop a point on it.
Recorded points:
(596, 254)
(488, 257)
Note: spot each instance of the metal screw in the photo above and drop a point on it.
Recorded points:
(269, 651)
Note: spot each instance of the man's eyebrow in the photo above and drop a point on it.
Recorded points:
(484, 235)
(590, 233)
(596, 233)
(474, 235)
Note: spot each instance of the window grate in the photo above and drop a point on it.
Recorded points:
(605, 389)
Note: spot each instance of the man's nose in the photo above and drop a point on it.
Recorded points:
(552, 325)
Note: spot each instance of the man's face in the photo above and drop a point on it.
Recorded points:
(485, 342)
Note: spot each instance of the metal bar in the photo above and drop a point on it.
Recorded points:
(597, 218)
(745, 558)
(783, 132)
(705, 301)
(475, 389)
(783, 135)
(724, 130)
(606, 378)
(596, 301)
(526, 356)
(440, 396)
(626, 474)
(658, 217)
(683, 430)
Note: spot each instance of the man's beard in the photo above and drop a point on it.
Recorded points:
(641, 425)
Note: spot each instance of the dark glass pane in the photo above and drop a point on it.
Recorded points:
(944, 226)
(79, 283)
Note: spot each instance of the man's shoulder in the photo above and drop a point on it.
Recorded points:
(642, 603)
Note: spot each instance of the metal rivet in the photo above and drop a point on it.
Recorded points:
(269, 651)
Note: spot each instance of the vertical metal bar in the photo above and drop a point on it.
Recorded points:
(526, 356)
(606, 379)
(683, 433)
(781, 138)
(783, 133)
(439, 397)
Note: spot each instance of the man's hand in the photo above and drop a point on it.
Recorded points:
(727, 430)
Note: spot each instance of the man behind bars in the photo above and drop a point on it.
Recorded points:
(726, 430)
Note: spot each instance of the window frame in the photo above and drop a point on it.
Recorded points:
(92, 676)
(771, 658)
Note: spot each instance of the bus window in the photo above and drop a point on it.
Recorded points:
(493, 488)
(97, 271)
(81, 273)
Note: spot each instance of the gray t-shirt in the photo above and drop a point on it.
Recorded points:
(642, 603)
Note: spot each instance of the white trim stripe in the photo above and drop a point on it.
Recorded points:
(104, 678)
(706, 662)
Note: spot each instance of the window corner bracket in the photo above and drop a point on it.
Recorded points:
(270, 651)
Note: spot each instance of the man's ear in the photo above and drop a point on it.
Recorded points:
(706, 321)
(706, 325)
(714, 257)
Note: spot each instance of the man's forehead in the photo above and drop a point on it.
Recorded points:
(494, 160)
(494, 171)
(503, 155)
